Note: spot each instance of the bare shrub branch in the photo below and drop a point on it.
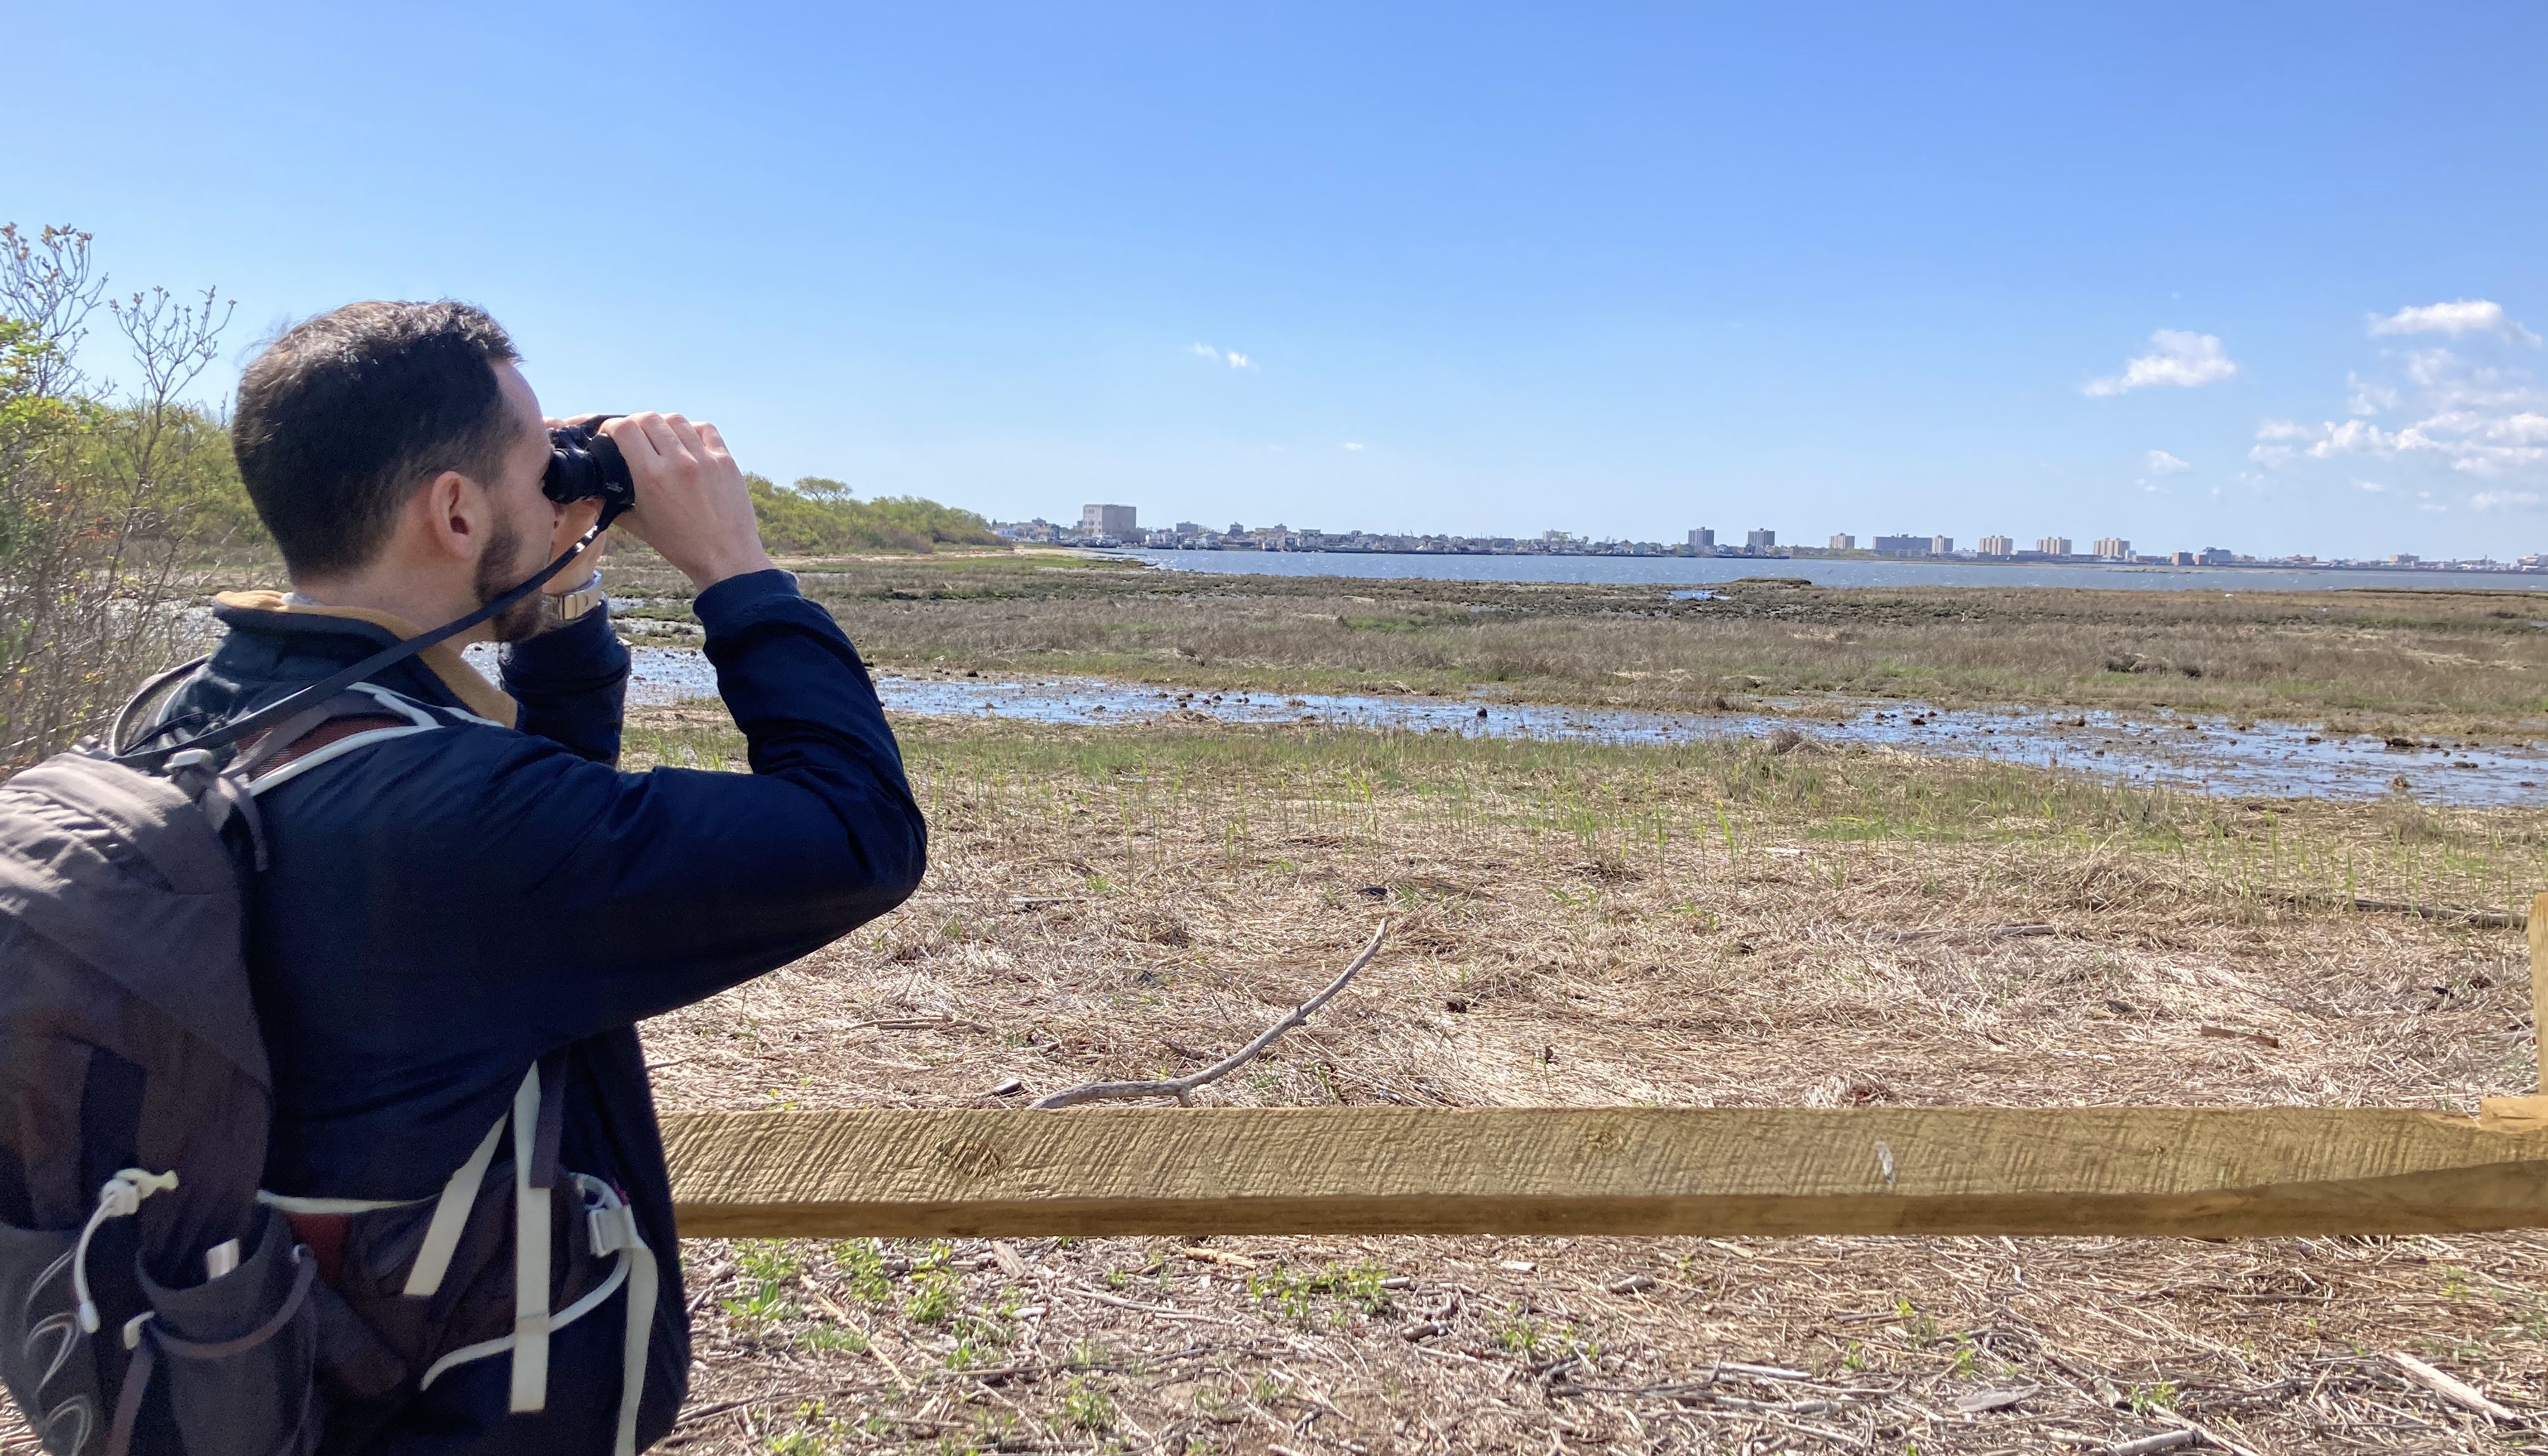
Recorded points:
(1182, 1088)
(104, 502)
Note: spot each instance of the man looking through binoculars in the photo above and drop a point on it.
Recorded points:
(461, 921)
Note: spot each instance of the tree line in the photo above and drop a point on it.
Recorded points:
(121, 505)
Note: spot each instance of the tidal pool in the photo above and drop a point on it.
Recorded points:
(2207, 755)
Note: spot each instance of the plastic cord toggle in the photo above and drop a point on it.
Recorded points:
(120, 1198)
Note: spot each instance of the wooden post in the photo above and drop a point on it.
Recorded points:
(2211, 1172)
(2538, 928)
(2518, 1114)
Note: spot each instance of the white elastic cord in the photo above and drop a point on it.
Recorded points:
(120, 1198)
(530, 1256)
(613, 1226)
(609, 1286)
(451, 1216)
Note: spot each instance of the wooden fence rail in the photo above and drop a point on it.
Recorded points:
(2211, 1172)
(2207, 1172)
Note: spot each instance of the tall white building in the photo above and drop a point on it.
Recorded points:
(2053, 545)
(2114, 548)
(1106, 520)
(1997, 546)
(1761, 541)
(1844, 541)
(1703, 542)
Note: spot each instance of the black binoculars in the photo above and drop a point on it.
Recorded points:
(586, 465)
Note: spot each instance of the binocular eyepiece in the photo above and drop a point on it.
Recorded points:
(586, 465)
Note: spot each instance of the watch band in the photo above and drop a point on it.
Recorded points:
(566, 606)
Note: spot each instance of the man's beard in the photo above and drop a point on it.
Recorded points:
(523, 619)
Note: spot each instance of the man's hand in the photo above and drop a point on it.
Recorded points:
(692, 505)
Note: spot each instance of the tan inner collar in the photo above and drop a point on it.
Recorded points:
(442, 659)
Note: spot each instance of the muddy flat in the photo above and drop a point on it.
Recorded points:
(2455, 661)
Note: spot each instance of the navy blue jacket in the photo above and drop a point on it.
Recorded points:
(441, 910)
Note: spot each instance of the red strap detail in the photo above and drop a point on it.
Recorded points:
(331, 731)
(324, 1233)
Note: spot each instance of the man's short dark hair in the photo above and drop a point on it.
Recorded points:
(344, 416)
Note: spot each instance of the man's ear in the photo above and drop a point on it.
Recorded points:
(452, 512)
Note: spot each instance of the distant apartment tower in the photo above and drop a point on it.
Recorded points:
(1902, 545)
(2114, 548)
(1843, 541)
(1106, 520)
(2054, 545)
(1188, 528)
(1761, 541)
(1703, 542)
(1997, 546)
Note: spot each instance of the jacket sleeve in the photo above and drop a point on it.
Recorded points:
(602, 898)
(573, 685)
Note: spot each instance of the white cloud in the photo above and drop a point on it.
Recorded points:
(2466, 315)
(1353, 444)
(2179, 358)
(2477, 419)
(2159, 462)
(2372, 486)
(2491, 499)
(2369, 396)
(2354, 437)
(1232, 357)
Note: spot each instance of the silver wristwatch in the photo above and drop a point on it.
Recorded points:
(566, 606)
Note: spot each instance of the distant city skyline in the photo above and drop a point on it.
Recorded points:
(2265, 275)
(1119, 524)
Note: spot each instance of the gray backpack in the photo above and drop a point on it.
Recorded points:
(145, 1291)
(152, 1299)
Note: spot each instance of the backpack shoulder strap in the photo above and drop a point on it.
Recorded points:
(325, 732)
(120, 739)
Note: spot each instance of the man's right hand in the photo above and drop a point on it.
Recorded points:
(692, 505)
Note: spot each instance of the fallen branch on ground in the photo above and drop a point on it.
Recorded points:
(2452, 1388)
(2500, 919)
(1182, 1088)
(1986, 932)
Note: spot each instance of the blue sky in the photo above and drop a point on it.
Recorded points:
(1472, 268)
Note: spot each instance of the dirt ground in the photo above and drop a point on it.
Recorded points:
(1699, 926)
(1063, 938)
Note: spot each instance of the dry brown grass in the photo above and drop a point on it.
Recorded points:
(1693, 925)
(1073, 930)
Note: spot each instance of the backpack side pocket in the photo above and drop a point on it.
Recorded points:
(240, 1352)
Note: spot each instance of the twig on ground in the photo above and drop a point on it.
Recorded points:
(2452, 1388)
(1182, 1088)
(2499, 919)
(1986, 932)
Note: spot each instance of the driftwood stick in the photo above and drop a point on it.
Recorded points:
(1182, 1088)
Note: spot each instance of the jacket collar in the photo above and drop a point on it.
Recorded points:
(270, 611)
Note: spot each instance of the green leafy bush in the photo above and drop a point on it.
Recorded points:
(817, 516)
